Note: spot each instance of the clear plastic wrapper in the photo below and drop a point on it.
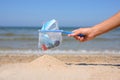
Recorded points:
(48, 40)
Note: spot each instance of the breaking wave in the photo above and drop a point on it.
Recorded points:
(57, 52)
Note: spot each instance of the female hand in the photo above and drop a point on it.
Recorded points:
(88, 32)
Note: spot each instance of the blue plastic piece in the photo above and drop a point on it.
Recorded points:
(62, 31)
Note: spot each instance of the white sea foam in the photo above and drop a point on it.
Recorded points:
(57, 52)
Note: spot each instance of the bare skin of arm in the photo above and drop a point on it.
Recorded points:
(92, 32)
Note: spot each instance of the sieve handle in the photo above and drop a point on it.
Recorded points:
(67, 32)
(61, 31)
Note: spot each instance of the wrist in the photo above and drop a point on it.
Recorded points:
(96, 30)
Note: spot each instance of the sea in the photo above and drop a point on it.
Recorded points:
(24, 40)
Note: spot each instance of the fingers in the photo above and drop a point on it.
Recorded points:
(81, 39)
(88, 32)
(72, 35)
(75, 33)
(76, 37)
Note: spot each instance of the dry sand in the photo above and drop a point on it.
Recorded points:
(64, 67)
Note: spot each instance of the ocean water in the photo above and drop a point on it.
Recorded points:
(24, 40)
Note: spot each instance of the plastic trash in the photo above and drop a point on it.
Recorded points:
(50, 36)
(48, 40)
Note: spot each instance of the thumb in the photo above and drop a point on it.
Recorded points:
(74, 33)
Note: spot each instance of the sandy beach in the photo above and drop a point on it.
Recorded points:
(59, 67)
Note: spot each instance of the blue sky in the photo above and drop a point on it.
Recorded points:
(66, 12)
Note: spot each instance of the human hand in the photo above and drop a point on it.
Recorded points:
(88, 32)
(98, 29)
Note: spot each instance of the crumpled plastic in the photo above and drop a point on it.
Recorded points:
(47, 43)
(48, 40)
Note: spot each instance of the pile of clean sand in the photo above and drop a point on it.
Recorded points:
(47, 61)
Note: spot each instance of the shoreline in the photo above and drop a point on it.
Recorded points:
(67, 58)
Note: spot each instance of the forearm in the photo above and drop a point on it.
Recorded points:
(107, 25)
(94, 31)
